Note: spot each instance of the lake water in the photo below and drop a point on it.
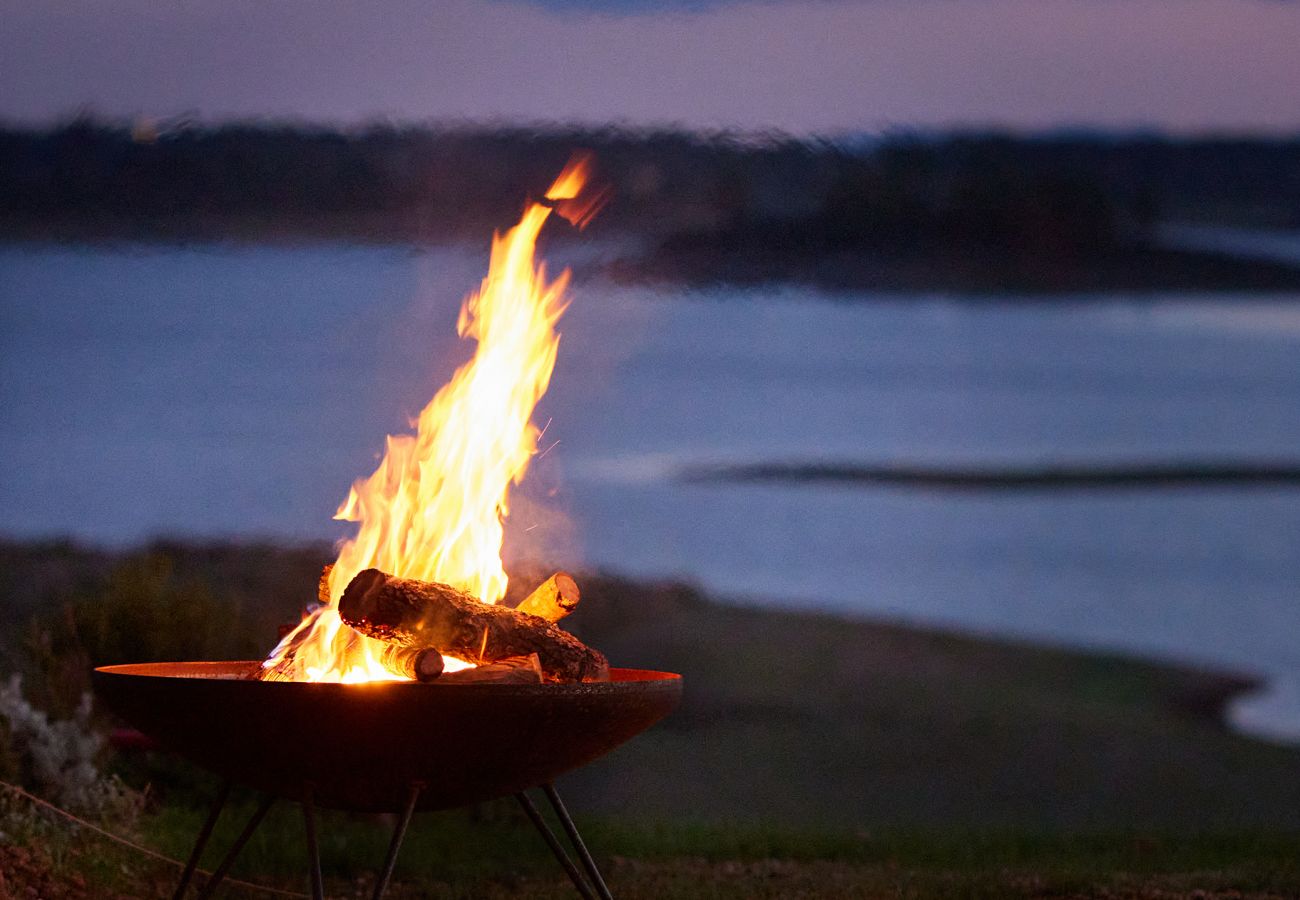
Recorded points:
(238, 391)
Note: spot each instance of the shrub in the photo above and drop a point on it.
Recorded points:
(57, 760)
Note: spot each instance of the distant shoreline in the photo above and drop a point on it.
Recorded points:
(966, 213)
(1042, 477)
(34, 570)
(1139, 271)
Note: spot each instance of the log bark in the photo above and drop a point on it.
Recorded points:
(515, 670)
(554, 598)
(418, 665)
(431, 616)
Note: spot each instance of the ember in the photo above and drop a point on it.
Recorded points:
(431, 515)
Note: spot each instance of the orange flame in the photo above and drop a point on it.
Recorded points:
(433, 510)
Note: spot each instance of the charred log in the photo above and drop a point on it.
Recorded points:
(431, 616)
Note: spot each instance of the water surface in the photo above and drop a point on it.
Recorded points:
(216, 391)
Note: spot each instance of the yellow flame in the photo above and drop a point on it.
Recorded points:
(433, 510)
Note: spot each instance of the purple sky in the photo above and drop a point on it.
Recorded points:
(828, 66)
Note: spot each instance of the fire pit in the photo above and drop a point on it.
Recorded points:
(409, 685)
(384, 746)
(370, 742)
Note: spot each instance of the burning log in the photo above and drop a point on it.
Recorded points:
(554, 598)
(419, 665)
(514, 670)
(431, 616)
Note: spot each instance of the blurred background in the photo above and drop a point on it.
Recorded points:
(930, 385)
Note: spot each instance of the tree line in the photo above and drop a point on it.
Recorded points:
(1044, 194)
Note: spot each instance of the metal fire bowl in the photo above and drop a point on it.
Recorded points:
(361, 746)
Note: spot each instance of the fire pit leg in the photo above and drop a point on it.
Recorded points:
(395, 845)
(556, 847)
(220, 874)
(313, 847)
(202, 841)
(572, 830)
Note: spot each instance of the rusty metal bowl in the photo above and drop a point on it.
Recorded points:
(361, 746)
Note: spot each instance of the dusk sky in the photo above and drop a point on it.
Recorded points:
(829, 66)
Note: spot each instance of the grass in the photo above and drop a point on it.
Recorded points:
(827, 722)
(812, 756)
(495, 854)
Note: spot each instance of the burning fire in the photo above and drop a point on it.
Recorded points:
(433, 510)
